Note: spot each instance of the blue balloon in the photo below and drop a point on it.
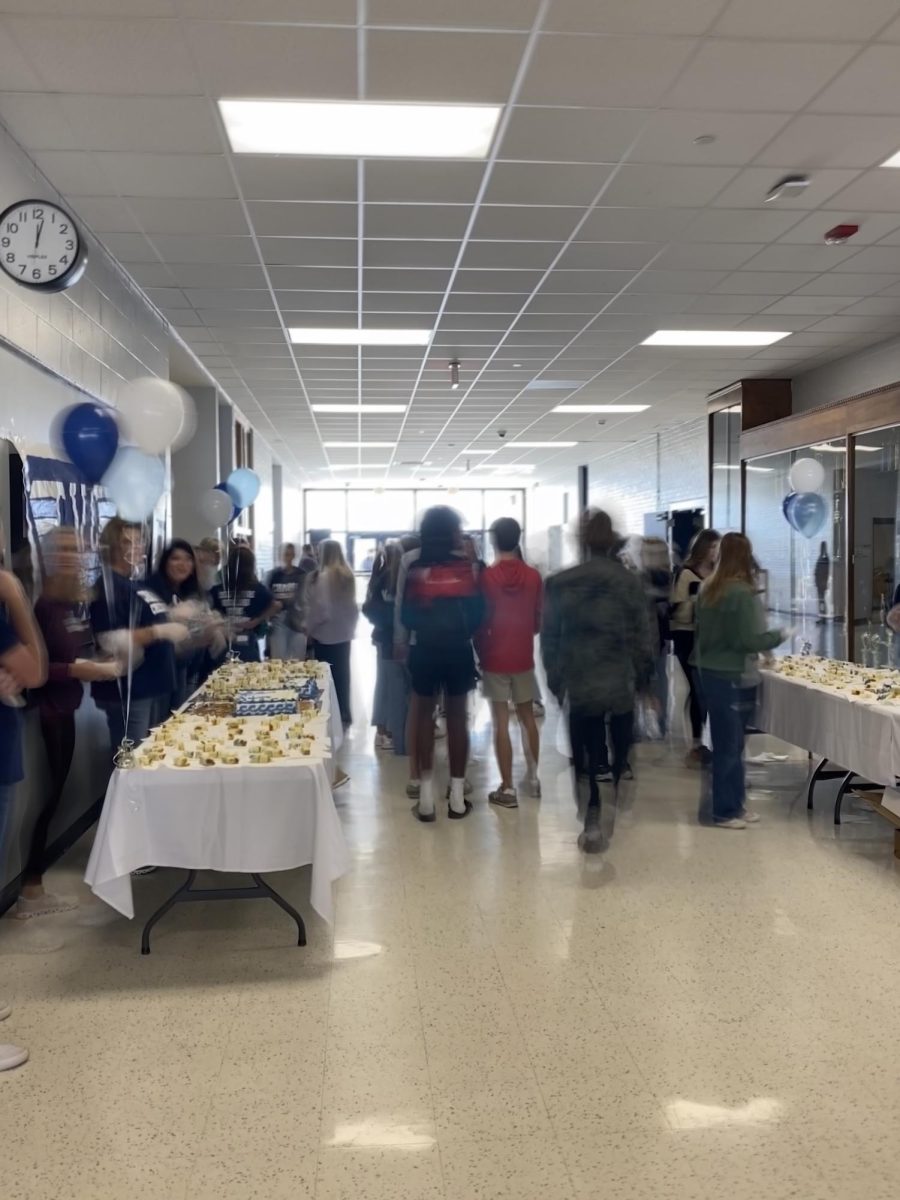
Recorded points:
(90, 438)
(244, 484)
(786, 505)
(233, 497)
(807, 513)
(135, 482)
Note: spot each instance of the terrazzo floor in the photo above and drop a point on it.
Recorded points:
(696, 1015)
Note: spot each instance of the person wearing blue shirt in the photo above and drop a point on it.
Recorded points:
(244, 602)
(23, 663)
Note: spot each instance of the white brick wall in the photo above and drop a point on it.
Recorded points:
(665, 469)
(95, 335)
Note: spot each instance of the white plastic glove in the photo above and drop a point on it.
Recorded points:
(171, 631)
(187, 611)
(99, 672)
(9, 690)
(217, 643)
(117, 642)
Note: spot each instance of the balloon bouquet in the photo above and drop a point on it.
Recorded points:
(804, 508)
(221, 506)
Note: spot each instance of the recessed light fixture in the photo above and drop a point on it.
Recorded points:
(542, 445)
(893, 161)
(714, 337)
(306, 336)
(601, 408)
(357, 466)
(359, 408)
(454, 374)
(823, 446)
(554, 385)
(478, 451)
(737, 467)
(354, 129)
(359, 445)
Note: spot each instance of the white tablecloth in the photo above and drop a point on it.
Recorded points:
(863, 737)
(254, 819)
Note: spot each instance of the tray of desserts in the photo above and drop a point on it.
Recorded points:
(186, 742)
(872, 685)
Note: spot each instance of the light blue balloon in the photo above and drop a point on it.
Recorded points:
(244, 484)
(135, 482)
(807, 512)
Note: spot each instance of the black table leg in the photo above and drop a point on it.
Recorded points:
(813, 780)
(260, 891)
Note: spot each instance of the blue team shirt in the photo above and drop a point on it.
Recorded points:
(11, 768)
(156, 674)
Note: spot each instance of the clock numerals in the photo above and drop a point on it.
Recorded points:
(39, 245)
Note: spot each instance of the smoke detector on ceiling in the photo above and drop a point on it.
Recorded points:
(789, 187)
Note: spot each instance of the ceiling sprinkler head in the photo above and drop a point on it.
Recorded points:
(705, 139)
(790, 186)
(454, 374)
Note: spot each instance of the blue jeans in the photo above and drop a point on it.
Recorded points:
(140, 718)
(731, 708)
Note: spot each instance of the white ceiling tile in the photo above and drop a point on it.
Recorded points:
(467, 67)
(740, 225)
(612, 72)
(632, 16)
(874, 306)
(74, 173)
(822, 305)
(730, 304)
(813, 141)
(178, 175)
(874, 260)
(750, 187)
(308, 252)
(535, 183)
(105, 214)
(400, 302)
(652, 303)
(178, 215)
(226, 275)
(130, 247)
(92, 8)
(782, 257)
(443, 221)
(638, 185)
(868, 85)
(184, 248)
(750, 283)
(576, 274)
(846, 284)
(238, 59)
(245, 298)
(711, 257)
(510, 254)
(151, 124)
(570, 135)
(677, 281)
(668, 137)
(35, 120)
(151, 274)
(293, 179)
(303, 220)
(635, 224)
(758, 76)
(108, 56)
(511, 223)
(872, 226)
(466, 14)
(385, 279)
(874, 191)
(842, 324)
(774, 19)
(398, 253)
(334, 12)
(431, 182)
(244, 318)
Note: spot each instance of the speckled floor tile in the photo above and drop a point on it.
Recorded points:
(380, 1173)
(523, 1168)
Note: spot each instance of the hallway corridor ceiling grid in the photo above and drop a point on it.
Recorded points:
(624, 192)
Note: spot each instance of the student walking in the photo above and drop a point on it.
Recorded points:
(513, 594)
(331, 616)
(699, 564)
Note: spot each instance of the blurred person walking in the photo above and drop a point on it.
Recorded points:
(441, 605)
(731, 632)
(513, 594)
(286, 636)
(331, 617)
(245, 603)
(656, 576)
(175, 581)
(697, 566)
(597, 653)
(378, 608)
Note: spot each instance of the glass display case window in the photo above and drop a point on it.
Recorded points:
(876, 526)
(725, 445)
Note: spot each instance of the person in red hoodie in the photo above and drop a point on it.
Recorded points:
(505, 645)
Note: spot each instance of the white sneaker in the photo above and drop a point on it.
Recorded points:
(12, 1056)
(384, 741)
(751, 818)
(43, 905)
(532, 786)
(733, 823)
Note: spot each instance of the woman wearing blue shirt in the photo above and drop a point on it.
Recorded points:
(244, 602)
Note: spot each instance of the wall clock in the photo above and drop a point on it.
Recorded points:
(40, 246)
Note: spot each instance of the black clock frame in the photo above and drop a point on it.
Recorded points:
(76, 268)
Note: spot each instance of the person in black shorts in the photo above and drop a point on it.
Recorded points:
(441, 604)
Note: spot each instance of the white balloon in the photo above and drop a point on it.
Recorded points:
(134, 482)
(807, 475)
(216, 507)
(153, 414)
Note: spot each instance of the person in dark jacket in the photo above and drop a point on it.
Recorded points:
(378, 608)
(244, 602)
(286, 585)
(61, 615)
(597, 654)
(442, 606)
(176, 581)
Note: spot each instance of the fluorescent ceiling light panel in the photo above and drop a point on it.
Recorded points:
(541, 445)
(357, 467)
(714, 337)
(479, 452)
(823, 446)
(351, 129)
(737, 467)
(359, 408)
(893, 161)
(601, 408)
(305, 336)
(359, 445)
(554, 385)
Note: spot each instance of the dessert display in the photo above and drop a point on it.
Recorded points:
(872, 685)
(246, 713)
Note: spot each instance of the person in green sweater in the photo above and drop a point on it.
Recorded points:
(731, 632)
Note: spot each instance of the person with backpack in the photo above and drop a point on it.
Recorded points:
(442, 606)
(697, 566)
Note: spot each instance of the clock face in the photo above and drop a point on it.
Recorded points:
(40, 246)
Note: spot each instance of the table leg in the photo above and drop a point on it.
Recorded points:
(813, 780)
(283, 904)
(177, 895)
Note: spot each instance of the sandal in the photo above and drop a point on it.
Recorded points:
(420, 816)
(458, 816)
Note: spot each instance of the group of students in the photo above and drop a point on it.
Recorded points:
(442, 619)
